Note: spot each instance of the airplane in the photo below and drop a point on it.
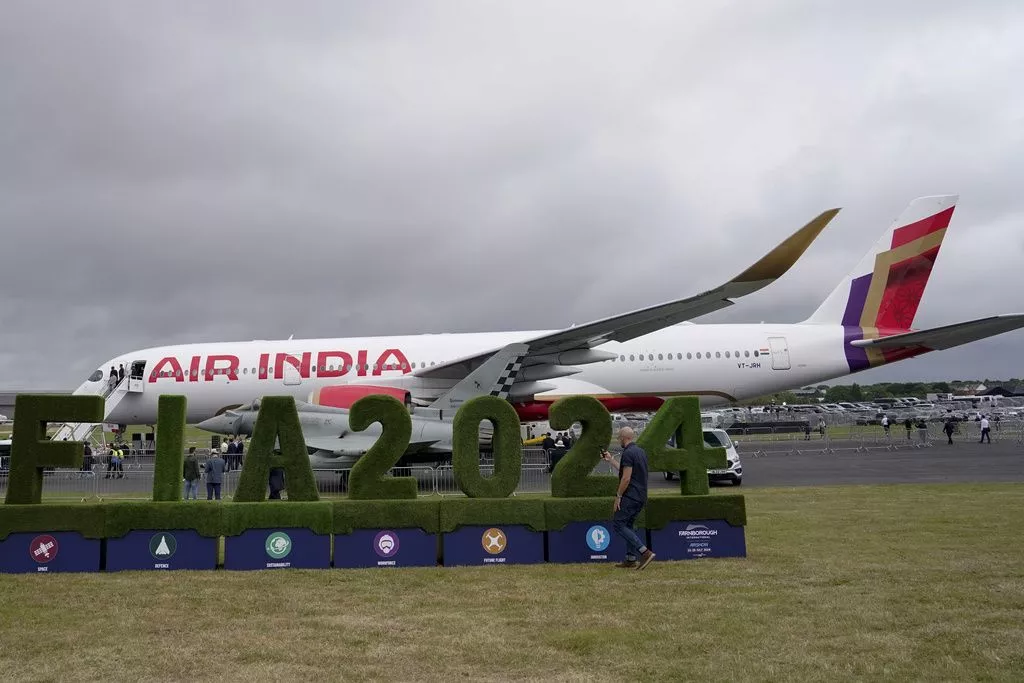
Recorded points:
(630, 362)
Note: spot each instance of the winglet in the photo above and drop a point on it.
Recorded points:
(780, 259)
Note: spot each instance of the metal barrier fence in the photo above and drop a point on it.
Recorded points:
(135, 478)
(757, 442)
(137, 483)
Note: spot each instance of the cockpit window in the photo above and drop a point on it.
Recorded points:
(96, 376)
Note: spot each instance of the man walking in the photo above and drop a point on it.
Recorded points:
(949, 428)
(984, 430)
(214, 475)
(630, 498)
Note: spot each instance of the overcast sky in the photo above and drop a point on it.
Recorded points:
(191, 171)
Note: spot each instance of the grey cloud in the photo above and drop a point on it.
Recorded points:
(175, 172)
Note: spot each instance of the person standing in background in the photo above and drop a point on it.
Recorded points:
(190, 472)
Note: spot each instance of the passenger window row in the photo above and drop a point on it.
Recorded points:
(632, 358)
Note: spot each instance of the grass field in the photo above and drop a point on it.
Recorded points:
(882, 582)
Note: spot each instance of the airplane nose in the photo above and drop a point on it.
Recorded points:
(218, 424)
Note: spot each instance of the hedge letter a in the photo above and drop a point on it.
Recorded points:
(277, 422)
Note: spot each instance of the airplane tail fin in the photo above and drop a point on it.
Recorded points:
(886, 287)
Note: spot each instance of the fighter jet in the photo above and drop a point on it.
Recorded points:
(333, 444)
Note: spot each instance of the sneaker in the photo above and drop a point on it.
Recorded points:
(646, 559)
(628, 564)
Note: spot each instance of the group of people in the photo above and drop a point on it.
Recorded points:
(116, 376)
(115, 460)
(562, 440)
(215, 467)
(950, 428)
(908, 425)
(232, 451)
(821, 429)
(555, 447)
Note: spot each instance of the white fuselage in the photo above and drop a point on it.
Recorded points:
(736, 361)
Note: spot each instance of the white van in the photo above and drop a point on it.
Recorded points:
(710, 420)
(733, 470)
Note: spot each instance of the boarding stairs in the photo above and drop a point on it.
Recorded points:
(80, 431)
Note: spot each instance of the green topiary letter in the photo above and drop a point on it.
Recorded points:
(367, 480)
(572, 476)
(278, 420)
(506, 444)
(170, 448)
(681, 415)
(31, 451)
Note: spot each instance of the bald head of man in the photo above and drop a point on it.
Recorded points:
(626, 436)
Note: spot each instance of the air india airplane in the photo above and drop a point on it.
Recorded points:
(631, 361)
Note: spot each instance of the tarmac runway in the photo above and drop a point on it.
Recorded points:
(961, 463)
(765, 464)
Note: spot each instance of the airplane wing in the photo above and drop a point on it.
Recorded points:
(550, 347)
(939, 338)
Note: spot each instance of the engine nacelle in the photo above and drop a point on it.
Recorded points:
(536, 411)
(344, 395)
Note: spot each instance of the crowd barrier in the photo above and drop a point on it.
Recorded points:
(137, 483)
(758, 442)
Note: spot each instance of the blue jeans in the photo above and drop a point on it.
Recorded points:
(191, 489)
(212, 489)
(622, 523)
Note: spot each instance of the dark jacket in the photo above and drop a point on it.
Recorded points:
(191, 469)
(276, 482)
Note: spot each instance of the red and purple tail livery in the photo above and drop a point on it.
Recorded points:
(881, 296)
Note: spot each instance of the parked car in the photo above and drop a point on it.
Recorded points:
(733, 470)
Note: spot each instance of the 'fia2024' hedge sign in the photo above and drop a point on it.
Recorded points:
(278, 424)
(485, 527)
